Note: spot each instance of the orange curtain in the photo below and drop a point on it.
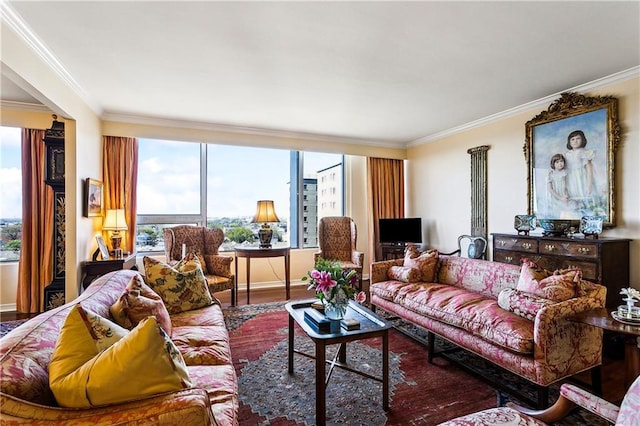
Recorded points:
(385, 187)
(35, 270)
(120, 171)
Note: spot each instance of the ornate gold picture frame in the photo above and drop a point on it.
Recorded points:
(570, 152)
(93, 198)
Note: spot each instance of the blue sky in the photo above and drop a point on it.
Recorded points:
(169, 174)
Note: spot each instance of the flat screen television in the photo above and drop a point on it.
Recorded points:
(405, 230)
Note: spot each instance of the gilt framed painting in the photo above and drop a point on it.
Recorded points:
(93, 198)
(570, 153)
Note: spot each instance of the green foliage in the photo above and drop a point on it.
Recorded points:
(152, 233)
(240, 235)
(13, 245)
(11, 232)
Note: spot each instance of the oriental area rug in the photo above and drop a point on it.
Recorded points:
(420, 393)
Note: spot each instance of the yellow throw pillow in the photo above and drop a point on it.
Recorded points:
(142, 363)
(182, 287)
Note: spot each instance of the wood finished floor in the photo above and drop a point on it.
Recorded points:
(612, 369)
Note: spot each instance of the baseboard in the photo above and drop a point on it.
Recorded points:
(8, 307)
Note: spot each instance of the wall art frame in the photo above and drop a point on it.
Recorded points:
(570, 151)
(93, 198)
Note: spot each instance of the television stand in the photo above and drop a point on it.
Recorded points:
(393, 250)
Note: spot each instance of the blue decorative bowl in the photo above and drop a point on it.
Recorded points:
(558, 227)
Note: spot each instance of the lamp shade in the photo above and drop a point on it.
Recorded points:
(265, 212)
(115, 221)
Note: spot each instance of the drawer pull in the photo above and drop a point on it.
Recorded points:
(526, 245)
(502, 243)
(509, 258)
(584, 250)
(550, 247)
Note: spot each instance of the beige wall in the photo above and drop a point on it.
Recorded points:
(439, 176)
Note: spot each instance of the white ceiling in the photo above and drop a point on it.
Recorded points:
(378, 72)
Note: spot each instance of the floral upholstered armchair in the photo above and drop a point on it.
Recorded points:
(205, 243)
(627, 414)
(337, 236)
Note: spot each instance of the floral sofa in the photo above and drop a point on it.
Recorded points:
(28, 359)
(477, 305)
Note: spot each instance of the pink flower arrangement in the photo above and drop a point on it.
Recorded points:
(332, 284)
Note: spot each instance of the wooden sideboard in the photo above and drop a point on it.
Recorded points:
(602, 260)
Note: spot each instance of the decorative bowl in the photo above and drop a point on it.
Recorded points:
(591, 225)
(558, 227)
(524, 222)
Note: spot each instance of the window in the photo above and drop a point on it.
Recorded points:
(11, 194)
(219, 185)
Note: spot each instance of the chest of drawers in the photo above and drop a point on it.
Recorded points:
(603, 260)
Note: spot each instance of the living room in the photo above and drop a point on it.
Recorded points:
(438, 170)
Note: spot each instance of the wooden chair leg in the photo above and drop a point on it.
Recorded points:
(596, 380)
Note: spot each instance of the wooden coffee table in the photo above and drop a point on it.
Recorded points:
(371, 326)
(602, 318)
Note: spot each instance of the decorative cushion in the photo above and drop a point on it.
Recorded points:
(404, 274)
(522, 304)
(557, 286)
(426, 262)
(136, 303)
(203, 263)
(97, 362)
(182, 287)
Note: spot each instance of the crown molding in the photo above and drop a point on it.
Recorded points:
(243, 130)
(13, 20)
(23, 106)
(540, 103)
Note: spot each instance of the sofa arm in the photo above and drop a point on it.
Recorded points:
(218, 264)
(190, 406)
(562, 347)
(378, 270)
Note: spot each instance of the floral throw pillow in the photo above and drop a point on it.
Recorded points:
(404, 274)
(136, 303)
(201, 259)
(557, 286)
(425, 261)
(182, 287)
(522, 304)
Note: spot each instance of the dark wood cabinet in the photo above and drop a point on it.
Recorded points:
(602, 260)
(92, 269)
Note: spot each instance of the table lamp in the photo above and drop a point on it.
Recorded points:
(265, 213)
(115, 221)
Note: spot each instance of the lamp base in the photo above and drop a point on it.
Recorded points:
(265, 234)
(116, 239)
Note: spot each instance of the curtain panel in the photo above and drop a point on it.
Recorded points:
(120, 175)
(385, 187)
(35, 269)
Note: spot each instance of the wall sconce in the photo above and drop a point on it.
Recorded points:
(115, 221)
(265, 212)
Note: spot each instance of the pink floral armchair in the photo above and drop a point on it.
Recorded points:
(337, 236)
(205, 243)
(627, 414)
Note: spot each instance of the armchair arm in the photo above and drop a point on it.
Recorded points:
(218, 264)
(190, 406)
(378, 270)
(561, 347)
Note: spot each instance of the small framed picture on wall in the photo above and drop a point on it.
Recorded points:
(93, 198)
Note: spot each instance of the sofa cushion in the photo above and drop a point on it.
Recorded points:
(405, 274)
(143, 362)
(471, 311)
(203, 345)
(136, 303)
(425, 261)
(522, 304)
(387, 289)
(557, 286)
(182, 287)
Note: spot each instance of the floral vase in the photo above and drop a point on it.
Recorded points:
(335, 308)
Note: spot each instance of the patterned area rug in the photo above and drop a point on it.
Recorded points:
(7, 326)
(420, 393)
